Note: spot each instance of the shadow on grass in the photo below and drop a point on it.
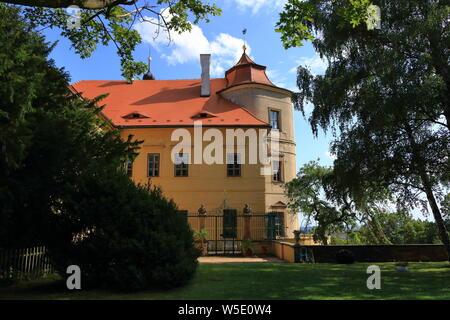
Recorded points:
(243, 281)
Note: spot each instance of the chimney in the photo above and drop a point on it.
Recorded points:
(205, 60)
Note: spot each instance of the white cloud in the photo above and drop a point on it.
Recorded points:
(187, 46)
(277, 77)
(256, 5)
(315, 64)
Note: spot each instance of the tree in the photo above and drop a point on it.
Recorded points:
(317, 194)
(62, 179)
(48, 136)
(306, 194)
(122, 236)
(106, 21)
(385, 94)
(397, 227)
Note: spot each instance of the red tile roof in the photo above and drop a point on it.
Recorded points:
(166, 103)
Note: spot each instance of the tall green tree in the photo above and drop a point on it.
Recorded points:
(62, 179)
(316, 193)
(48, 136)
(307, 194)
(385, 94)
(111, 21)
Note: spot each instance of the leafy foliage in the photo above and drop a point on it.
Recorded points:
(306, 194)
(62, 180)
(48, 137)
(391, 228)
(318, 195)
(127, 237)
(386, 96)
(113, 21)
(298, 21)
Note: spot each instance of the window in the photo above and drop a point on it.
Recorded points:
(279, 224)
(181, 165)
(275, 225)
(153, 165)
(274, 117)
(129, 168)
(276, 169)
(233, 165)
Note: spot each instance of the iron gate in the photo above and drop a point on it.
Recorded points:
(226, 232)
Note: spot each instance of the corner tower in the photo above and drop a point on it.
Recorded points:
(249, 86)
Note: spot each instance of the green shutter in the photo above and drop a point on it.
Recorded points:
(270, 223)
(229, 223)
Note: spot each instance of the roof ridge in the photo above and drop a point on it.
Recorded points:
(145, 80)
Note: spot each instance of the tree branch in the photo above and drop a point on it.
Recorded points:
(83, 4)
(134, 11)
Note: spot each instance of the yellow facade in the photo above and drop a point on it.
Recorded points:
(209, 184)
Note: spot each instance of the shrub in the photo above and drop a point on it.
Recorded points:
(134, 238)
(345, 256)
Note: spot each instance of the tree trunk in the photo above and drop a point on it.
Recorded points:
(378, 232)
(426, 183)
(442, 230)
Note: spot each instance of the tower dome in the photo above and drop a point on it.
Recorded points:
(247, 71)
(148, 75)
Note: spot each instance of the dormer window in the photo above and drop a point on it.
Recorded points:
(203, 115)
(135, 115)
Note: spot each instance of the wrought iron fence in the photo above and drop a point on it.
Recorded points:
(224, 233)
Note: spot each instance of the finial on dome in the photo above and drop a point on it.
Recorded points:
(244, 32)
(149, 75)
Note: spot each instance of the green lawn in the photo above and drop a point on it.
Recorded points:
(272, 281)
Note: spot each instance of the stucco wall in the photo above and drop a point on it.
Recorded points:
(206, 184)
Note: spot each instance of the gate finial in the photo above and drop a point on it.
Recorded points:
(202, 210)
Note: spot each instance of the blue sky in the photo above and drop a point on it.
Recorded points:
(223, 38)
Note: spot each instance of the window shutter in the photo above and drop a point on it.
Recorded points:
(229, 223)
(270, 223)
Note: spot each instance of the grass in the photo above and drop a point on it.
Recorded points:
(271, 281)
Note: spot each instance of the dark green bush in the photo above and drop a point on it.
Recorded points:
(345, 256)
(137, 238)
(59, 178)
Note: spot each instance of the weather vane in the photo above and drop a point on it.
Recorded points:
(244, 32)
